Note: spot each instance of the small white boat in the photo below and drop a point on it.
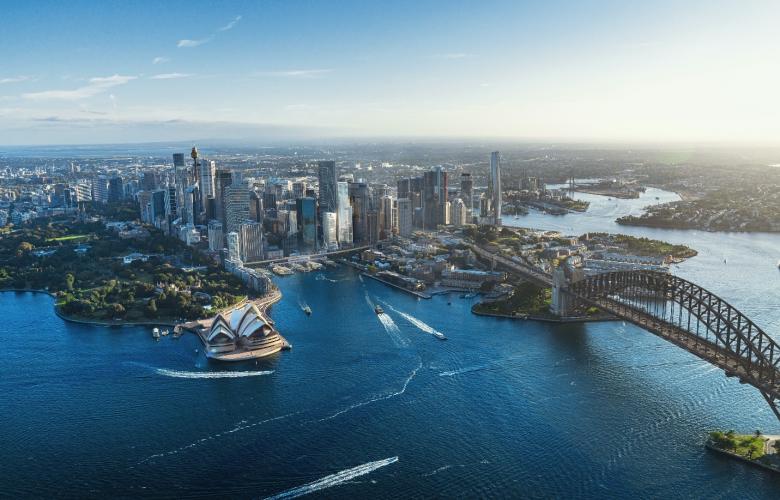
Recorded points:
(439, 336)
(164, 332)
(156, 332)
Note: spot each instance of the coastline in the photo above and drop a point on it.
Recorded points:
(689, 228)
(546, 319)
(93, 322)
(728, 453)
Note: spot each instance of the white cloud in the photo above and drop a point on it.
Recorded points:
(230, 25)
(455, 55)
(193, 43)
(96, 86)
(294, 73)
(187, 43)
(160, 60)
(14, 79)
(169, 76)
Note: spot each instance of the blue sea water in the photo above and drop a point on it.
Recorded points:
(368, 406)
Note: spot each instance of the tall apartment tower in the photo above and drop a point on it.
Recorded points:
(405, 214)
(466, 189)
(236, 207)
(208, 169)
(495, 186)
(344, 215)
(328, 181)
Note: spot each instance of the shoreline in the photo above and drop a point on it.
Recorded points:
(546, 319)
(731, 454)
(691, 228)
(92, 322)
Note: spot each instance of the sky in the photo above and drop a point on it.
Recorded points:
(89, 72)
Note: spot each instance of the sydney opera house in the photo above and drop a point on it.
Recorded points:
(241, 333)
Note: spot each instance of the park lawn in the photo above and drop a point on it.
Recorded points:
(741, 444)
(526, 299)
(70, 237)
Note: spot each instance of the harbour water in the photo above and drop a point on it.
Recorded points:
(376, 406)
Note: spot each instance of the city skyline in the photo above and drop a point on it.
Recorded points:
(566, 71)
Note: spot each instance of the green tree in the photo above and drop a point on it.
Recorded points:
(151, 308)
(69, 279)
(23, 248)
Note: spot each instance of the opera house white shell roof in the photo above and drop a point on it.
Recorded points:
(244, 322)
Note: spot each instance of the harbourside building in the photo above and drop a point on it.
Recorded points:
(244, 329)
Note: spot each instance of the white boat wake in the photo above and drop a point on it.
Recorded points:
(390, 327)
(424, 327)
(464, 370)
(335, 479)
(374, 399)
(239, 427)
(196, 375)
(476, 368)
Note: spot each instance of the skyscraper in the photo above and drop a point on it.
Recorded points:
(236, 207)
(208, 171)
(344, 219)
(388, 217)
(359, 200)
(434, 198)
(250, 237)
(466, 188)
(495, 187)
(458, 212)
(405, 214)
(327, 180)
(216, 236)
(233, 246)
(307, 221)
(329, 230)
(222, 179)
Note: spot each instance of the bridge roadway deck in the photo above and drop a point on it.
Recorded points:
(528, 272)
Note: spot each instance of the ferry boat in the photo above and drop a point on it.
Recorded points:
(378, 309)
(156, 333)
(307, 310)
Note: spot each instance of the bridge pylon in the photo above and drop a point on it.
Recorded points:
(565, 304)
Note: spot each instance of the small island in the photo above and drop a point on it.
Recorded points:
(757, 449)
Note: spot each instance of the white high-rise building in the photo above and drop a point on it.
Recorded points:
(458, 213)
(233, 246)
(388, 216)
(216, 236)
(494, 189)
(330, 230)
(208, 169)
(250, 236)
(344, 218)
(405, 215)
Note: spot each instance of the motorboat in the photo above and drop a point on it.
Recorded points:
(439, 336)
(156, 333)
(307, 310)
(378, 309)
(164, 332)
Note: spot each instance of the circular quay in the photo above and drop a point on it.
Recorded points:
(430, 249)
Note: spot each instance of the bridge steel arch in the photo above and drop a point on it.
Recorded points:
(693, 318)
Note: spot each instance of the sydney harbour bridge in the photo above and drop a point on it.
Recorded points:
(674, 309)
